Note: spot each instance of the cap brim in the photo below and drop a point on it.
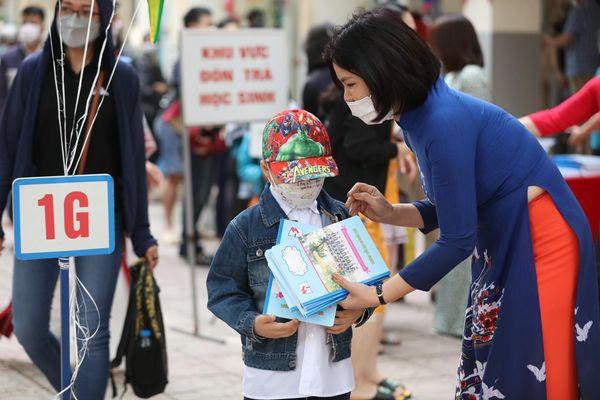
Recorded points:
(303, 169)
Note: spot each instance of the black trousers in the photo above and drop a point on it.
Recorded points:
(340, 397)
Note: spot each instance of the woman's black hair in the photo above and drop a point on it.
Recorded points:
(398, 67)
(454, 40)
(316, 40)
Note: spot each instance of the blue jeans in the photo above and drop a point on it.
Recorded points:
(33, 288)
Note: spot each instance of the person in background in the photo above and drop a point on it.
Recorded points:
(202, 143)
(153, 174)
(226, 177)
(319, 78)
(30, 36)
(421, 25)
(362, 153)
(195, 18)
(168, 128)
(454, 41)
(256, 18)
(229, 24)
(579, 114)
(589, 130)
(251, 182)
(31, 146)
(578, 38)
(403, 11)
(557, 87)
(152, 82)
(582, 108)
(8, 36)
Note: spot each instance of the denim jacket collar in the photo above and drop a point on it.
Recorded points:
(271, 213)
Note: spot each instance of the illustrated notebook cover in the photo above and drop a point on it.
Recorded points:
(305, 265)
(276, 301)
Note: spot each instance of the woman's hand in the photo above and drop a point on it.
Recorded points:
(362, 296)
(367, 200)
(152, 257)
(266, 327)
(577, 137)
(580, 134)
(154, 176)
(359, 296)
(344, 319)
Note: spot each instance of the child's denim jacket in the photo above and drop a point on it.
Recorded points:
(238, 278)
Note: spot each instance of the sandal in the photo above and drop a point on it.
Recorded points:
(383, 393)
(397, 388)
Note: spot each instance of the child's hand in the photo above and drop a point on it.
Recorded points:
(265, 326)
(344, 320)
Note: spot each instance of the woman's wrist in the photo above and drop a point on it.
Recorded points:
(390, 216)
(394, 288)
(396, 215)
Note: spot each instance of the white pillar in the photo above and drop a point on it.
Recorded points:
(509, 32)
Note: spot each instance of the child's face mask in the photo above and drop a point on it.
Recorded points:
(300, 194)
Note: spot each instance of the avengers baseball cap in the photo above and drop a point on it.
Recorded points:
(296, 147)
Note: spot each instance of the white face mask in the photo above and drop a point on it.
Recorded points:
(29, 33)
(300, 194)
(74, 30)
(365, 110)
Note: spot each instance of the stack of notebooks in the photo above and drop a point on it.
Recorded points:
(577, 165)
(304, 260)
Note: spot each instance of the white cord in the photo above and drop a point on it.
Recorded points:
(137, 9)
(78, 126)
(85, 48)
(78, 309)
(82, 330)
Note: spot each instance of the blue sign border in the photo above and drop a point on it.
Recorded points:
(17, 183)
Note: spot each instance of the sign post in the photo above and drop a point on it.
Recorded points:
(62, 217)
(65, 344)
(227, 76)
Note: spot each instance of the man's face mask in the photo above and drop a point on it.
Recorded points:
(365, 110)
(29, 33)
(300, 194)
(74, 30)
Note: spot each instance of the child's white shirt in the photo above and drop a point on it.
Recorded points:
(315, 374)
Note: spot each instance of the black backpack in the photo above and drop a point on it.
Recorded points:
(143, 340)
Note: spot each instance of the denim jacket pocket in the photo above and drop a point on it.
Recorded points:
(258, 272)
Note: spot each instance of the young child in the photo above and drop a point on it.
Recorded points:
(283, 359)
